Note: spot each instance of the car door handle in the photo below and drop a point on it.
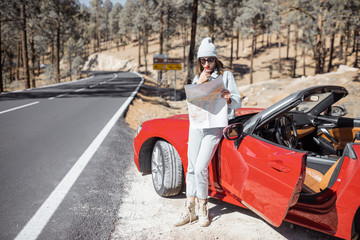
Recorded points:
(279, 166)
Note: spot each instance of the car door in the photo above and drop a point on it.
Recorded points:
(264, 177)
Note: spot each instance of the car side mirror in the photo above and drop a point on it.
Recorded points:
(233, 131)
(338, 111)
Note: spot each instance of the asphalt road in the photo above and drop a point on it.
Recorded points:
(62, 154)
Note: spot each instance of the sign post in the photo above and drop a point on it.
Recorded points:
(164, 63)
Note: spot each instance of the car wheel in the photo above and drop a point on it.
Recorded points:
(166, 169)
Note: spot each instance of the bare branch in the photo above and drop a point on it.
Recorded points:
(297, 9)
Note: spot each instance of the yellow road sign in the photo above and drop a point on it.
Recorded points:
(164, 66)
(165, 63)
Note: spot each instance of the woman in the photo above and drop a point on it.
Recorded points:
(203, 142)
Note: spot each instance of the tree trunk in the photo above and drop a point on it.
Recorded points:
(192, 43)
(167, 42)
(231, 50)
(341, 45)
(32, 49)
(139, 50)
(161, 41)
(52, 51)
(212, 22)
(255, 50)
(11, 77)
(161, 32)
(332, 40)
(304, 64)
(57, 55)
(267, 36)
(252, 58)
(1, 63)
(270, 40)
(70, 67)
(107, 37)
(184, 36)
(347, 46)
(293, 75)
(320, 51)
(356, 50)
(279, 46)
(24, 45)
(38, 64)
(18, 59)
(354, 41)
(320, 58)
(144, 51)
(98, 29)
(237, 44)
(147, 41)
(117, 44)
(288, 42)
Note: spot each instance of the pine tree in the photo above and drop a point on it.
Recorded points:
(228, 11)
(126, 23)
(190, 64)
(70, 53)
(251, 20)
(114, 23)
(95, 11)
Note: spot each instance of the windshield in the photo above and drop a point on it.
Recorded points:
(309, 103)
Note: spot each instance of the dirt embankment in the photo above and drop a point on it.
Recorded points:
(154, 102)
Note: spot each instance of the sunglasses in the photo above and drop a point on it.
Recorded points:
(209, 60)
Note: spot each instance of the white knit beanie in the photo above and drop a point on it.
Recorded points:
(207, 49)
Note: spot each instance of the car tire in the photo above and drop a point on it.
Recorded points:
(166, 169)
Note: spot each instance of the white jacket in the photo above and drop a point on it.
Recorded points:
(230, 84)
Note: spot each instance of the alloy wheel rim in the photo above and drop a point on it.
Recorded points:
(157, 168)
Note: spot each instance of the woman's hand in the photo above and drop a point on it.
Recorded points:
(226, 94)
(204, 76)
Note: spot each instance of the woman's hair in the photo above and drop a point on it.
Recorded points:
(218, 65)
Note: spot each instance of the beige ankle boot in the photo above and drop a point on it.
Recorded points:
(203, 214)
(188, 215)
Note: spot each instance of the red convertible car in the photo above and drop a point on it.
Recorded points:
(297, 161)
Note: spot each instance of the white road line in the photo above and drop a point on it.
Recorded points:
(16, 108)
(81, 89)
(62, 95)
(49, 86)
(37, 223)
(59, 96)
(63, 83)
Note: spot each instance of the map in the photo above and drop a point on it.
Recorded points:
(206, 107)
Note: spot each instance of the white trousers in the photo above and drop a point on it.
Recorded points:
(202, 146)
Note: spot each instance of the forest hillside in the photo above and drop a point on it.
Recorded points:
(46, 42)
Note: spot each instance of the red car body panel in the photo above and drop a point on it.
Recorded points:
(164, 129)
(265, 180)
(268, 181)
(336, 215)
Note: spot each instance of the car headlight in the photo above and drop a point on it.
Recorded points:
(138, 129)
